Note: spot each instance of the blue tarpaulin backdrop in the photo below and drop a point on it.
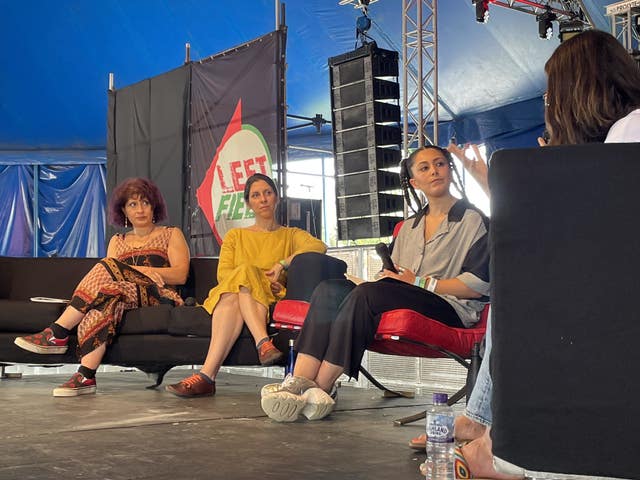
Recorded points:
(65, 200)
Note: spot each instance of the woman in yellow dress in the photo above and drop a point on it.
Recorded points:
(252, 260)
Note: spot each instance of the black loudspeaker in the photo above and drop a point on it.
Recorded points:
(366, 141)
(305, 213)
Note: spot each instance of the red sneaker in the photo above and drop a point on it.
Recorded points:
(78, 384)
(43, 342)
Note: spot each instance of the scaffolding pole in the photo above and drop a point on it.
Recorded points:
(622, 16)
(419, 73)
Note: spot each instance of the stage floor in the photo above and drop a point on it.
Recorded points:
(128, 432)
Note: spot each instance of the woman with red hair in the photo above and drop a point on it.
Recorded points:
(141, 265)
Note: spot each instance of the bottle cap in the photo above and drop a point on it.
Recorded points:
(291, 341)
(440, 398)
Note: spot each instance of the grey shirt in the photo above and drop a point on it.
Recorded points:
(459, 249)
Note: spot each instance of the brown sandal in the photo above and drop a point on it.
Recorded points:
(419, 442)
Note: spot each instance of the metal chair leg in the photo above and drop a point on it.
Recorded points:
(4, 375)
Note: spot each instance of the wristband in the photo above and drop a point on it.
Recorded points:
(284, 264)
(431, 286)
(420, 282)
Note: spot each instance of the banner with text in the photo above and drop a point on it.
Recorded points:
(234, 133)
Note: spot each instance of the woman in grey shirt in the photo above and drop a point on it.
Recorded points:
(442, 259)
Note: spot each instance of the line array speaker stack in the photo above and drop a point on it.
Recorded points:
(366, 141)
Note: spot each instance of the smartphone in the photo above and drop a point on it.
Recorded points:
(383, 251)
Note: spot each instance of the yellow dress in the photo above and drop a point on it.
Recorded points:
(246, 255)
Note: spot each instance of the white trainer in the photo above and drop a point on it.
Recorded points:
(319, 404)
(282, 406)
(291, 384)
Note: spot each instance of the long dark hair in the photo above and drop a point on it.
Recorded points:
(410, 194)
(591, 83)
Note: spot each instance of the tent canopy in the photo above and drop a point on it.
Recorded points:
(57, 57)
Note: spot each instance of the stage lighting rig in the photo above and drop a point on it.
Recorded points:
(545, 25)
(363, 22)
(570, 29)
(482, 10)
(363, 4)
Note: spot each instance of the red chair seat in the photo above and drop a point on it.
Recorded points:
(289, 314)
(398, 330)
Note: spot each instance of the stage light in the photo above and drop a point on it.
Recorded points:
(545, 25)
(482, 10)
(363, 24)
(568, 29)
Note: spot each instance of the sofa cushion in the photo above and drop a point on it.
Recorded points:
(30, 317)
(146, 320)
(202, 278)
(190, 321)
(25, 316)
(23, 278)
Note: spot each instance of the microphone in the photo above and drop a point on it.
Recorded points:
(383, 251)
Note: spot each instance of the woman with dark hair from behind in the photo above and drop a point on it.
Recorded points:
(140, 267)
(593, 95)
(250, 277)
(593, 91)
(443, 272)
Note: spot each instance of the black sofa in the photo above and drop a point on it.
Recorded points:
(152, 339)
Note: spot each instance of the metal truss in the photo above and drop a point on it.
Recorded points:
(419, 73)
(623, 15)
(362, 4)
(565, 10)
(419, 70)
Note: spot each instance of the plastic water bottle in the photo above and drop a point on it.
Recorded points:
(440, 446)
(291, 359)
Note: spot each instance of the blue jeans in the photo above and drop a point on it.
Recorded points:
(479, 405)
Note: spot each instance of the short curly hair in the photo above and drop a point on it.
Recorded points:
(134, 187)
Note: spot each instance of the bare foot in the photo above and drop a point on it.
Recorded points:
(479, 458)
(466, 429)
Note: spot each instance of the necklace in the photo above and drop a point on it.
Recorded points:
(139, 235)
(137, 249)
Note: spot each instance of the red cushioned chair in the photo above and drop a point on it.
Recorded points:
(407, 333)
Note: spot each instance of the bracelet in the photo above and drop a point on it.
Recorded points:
(284, 264)
(420, 281)
(431, 286)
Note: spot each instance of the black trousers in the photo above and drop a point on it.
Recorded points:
(343, 318)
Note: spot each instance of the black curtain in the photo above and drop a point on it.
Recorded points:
(147, 136)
